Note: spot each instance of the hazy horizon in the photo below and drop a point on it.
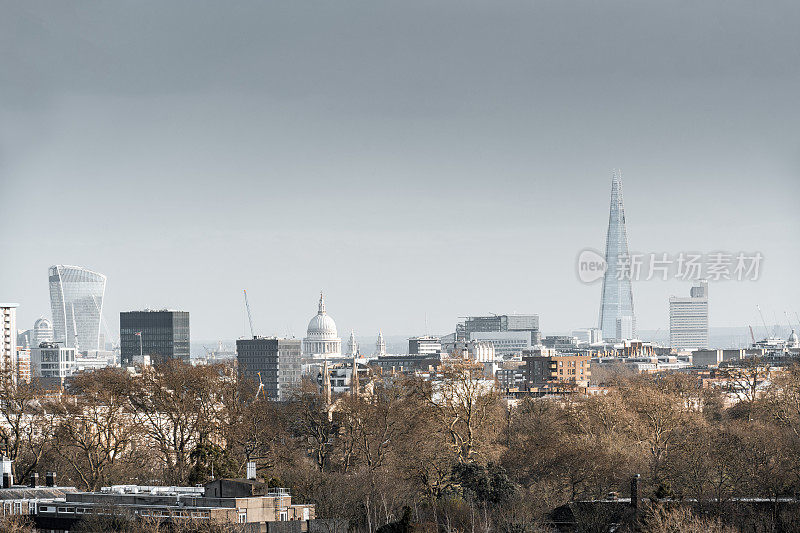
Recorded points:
(416, 161)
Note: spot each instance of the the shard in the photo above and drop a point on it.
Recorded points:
(616, 305)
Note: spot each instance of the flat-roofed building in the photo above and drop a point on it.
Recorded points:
(52, 360)
(496, 323)
(243, 503)
(688, 319)
(162, 334)
(559, 369)
(272, 361)
(426, 345)
(506, 343)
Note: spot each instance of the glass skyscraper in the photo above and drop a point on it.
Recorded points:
(76, 299)
(616, 303)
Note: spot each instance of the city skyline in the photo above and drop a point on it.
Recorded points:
(398, 176)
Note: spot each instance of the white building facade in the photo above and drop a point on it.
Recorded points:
(53, 361)
(688, 319)
(322, 340)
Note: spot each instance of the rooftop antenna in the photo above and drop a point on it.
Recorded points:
(249, 315)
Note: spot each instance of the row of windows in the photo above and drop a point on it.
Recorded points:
(165, 513)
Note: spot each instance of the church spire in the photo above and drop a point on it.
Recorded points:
(380, 346)
(352, 344)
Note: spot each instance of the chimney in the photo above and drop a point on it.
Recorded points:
(50, 479)
(6, 480)
(34, 479)
(635, 491)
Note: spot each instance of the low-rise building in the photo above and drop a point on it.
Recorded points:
(249, 504)
(340, 377)
(426, 345)
(511, 375)
(557, 369)
(406, 364)
(52, 360)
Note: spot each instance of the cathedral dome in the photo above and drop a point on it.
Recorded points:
(321, 325)
(321, 337)
(793, 341)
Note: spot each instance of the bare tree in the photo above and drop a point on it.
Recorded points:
(98, 432)
(27, 419)
(467, 406)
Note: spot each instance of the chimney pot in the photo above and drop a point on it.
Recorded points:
(34, 479)
(635, 491)
(6, 480)
(50, 479)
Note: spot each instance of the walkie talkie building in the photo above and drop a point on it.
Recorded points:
(616, 303)
(76, 299)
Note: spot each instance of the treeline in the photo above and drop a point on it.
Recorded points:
(446, 456)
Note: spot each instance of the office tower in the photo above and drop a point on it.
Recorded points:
(42, 332)
(688, 318)
(271, 361)
(160, 334)
(380, 345)
(426, 345)
(76, 298)
(8, 342)
(617, 297)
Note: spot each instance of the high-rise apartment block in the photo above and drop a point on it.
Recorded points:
(273, 362)
(688, 318)
(8, 340)
(160, 334)
(76, 299)
(617, 297)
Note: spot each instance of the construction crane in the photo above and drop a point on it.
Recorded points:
(766, 329)
(249, 315)
(260, 385)
(788, 321)
(752, 336)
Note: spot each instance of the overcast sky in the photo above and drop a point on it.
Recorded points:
(410, 159)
